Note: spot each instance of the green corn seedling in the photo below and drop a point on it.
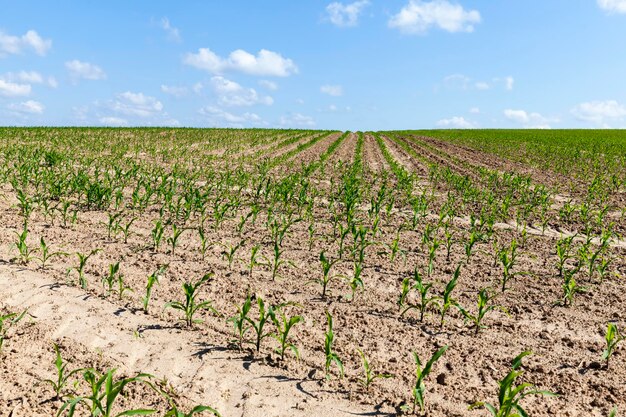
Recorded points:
(258, 326)
(422, 289)
(63, 375)
(126, 229)
(446, 300)
(327, 264)
(254, 255)
(563, 247)
(173, 240)
(110, 279)
(570, 288)
(25, 253)
(6, 322)
(199, 409)
(612, 338)
(241, 322)
(104, 391)
(191, 306)
(152, 279)
(230, 251)
(331, 356)
(46, 253)
(483, 308)
(157, 234)
(356, 281)
(419, 390)
(510, 395)
(508, 259)
(369, 375)
(283, 326)
(80, 269)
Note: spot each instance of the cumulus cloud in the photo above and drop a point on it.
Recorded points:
(10, 44)
(456, 122)
(136, 104)
(296, 120)
(531, 120)
(230, 93)
(264, 63)
(269, 85)
(474, 110)
(30, 107)
(220, 117)
(332, 90)
(173, 33)
(113, 121)
(85, 70)
(345, 15)
(613, 6)
(600, 112)
(508, 82)
(30, 77)
(481, 85)
(418, 16)
(10, 89)
(174, 91)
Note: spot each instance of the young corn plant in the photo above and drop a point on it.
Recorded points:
(230, 251)
(125, 229)
(191, 306)
(419, 389)
(63, 375)
(474, 238)
(46, 253)
(331, 356)
(563, 251)
(510, 395)
(80, 269)
(111, 278)
(25, 253)
(259, 326)
(508, 259)
(157, 234)
(327, 265)
(356, 281)
(199, 409)
(6, 322)
(446, 300)
(283, 326)
(173, 239)
(241, 322)
(204, 242)
(105, 390)
(424, 300)
(254, 259)
(612, 338)
(369, 376)
(152, 279)
(570, 288)
(484, 306)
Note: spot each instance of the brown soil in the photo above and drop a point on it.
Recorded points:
(202, 365)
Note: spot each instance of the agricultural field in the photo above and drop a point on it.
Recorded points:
(260, 272)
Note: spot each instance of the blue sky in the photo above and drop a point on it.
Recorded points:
(359, 65)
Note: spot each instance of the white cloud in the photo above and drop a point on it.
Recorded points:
(299, 101)
(30, 77)
(474, 110)
(265, 63)
(332, 90)
(30, 106)
(481, 85)
(136, 104)
(113, 121)
(174, 90)
(269, 85)
(508, 82)
(173, 33)
(530, 120)
(230, 93)
(418, 16)
(456, 122)
(219, 117)
(297, 120)
(85, 70)
(10, 44)
(613, 6)
(344, 15)
(9, 89)
(600, 112)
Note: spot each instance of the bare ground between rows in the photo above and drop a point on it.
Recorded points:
(373, 158)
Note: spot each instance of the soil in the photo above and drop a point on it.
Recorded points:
(203, 365)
